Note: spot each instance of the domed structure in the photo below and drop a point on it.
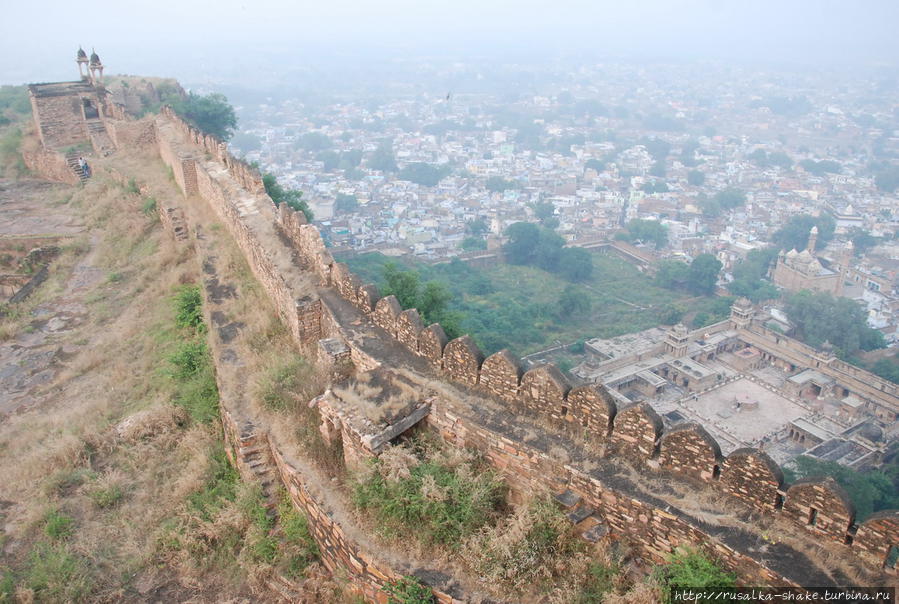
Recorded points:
(96, 66)
(81, 59)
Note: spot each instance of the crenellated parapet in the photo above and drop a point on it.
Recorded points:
(630, 432)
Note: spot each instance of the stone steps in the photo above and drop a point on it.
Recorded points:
(589, 524)
(72, 162)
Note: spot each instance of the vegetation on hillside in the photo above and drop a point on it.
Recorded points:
(15, 109)
(442, 494)
(525, 308)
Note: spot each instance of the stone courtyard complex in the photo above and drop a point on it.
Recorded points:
(749, 385)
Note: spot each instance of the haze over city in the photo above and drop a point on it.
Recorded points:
(573, 302)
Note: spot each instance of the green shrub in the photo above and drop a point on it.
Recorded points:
(690, 568)
(56, 575)
(149, 206)
(107, 497)
(220, 487)
(282, 387)
(189, 308)
(408, 590)
(132, 187)
(189, 358)
(298, 548)
(434, 500)
(7, 585)
(600, 581)
(58, 526)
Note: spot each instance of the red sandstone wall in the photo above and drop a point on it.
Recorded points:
(636, 432)
(340, 554)
(50, 165)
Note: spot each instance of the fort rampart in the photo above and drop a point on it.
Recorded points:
(748, 475)
(307, 287)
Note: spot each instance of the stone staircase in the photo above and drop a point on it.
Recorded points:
(253, 453)
(72, 162)
(103, 145)
(591, 526)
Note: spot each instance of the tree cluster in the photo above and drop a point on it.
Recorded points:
(818, 317)
(345, 203)
(750, 276)
(292, 197)
(430, 298)
(542, 247)
(819, 168)
(423, 174)
(721, 201)
(794, 235)
(498, 184)
(698, 277)
(210, 113)
(645, 231)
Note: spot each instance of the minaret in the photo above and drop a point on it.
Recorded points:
(812, 240)
(845, 265)
(81, 59)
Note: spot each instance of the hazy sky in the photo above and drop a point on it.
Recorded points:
(165, 37)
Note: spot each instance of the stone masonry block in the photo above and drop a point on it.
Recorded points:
(691, 451)
(501, 374)
(408, 328)
(462, 360)
(591, 407)
(543, 390)
(821, 506)
(431, 342)
(387, 311)
(636, 431)
(750, 475)
(876, 536)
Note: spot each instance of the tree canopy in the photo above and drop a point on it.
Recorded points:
(431, 298)
(423, 174)
(703, 274)
(292, 197)
(498, 184)
(542, 247)
(750, 276)
(210, 113)
(819, 317)
(382, 158)
(646, 231)
(794, 234)
(345, 203)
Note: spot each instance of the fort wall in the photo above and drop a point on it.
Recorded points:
(636, 432)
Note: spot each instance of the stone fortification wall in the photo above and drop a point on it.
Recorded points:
(59, 118)
(50, 165)
(655, 531)
(339, 553)
(138, 134)
(634, 431)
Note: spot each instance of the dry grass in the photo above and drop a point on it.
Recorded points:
(105, 445)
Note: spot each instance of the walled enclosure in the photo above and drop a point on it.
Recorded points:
(319, 299)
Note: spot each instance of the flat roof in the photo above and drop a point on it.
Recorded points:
(810, 375)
